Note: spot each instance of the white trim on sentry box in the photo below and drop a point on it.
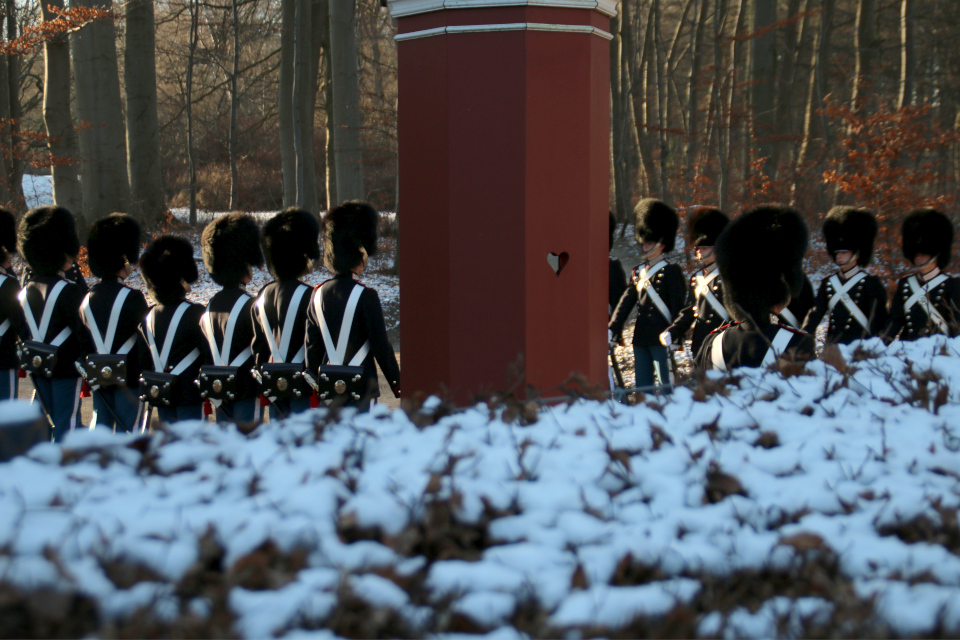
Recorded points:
(516, 26)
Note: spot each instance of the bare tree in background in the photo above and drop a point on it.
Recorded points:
(347, 120)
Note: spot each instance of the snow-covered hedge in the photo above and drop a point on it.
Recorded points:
(767, 504)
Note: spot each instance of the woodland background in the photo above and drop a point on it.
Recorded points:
(258, 104)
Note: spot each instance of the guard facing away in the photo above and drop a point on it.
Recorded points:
(172, 347)
(290, 246)
(927, 302)
(11, 315)
(704, 311)
(760, 258)
(110, 316)
(231, 248)
(656, 289)
(48, 243)
(855, 300)
(346, 331)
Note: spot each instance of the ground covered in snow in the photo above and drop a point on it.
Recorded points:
(784, 503)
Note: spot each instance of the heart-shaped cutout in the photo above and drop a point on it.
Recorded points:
(558, 261)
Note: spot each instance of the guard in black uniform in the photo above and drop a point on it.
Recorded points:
(760, 256)
(11, 315)
(291, 246)
(657, 290)
(350, 238)
(231, 248)
(618, 277)
(855, 300)
(704, 311)
(48, 243)
(110, 316)
(928, 301)
(171, 342)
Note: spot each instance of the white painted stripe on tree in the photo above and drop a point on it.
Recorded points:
(516, 26)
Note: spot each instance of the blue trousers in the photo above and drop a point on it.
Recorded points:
(123, 403)
(9, 384)
(183, 412)
(288, 407)
(246, 411)
(647, 360)
(60, 397)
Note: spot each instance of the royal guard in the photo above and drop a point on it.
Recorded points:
(928, 301)
(48, 244)
(855, 300)
(657, 290)
(172, 347)
(704, 311)
(11, 315)
(760, 259)
(110, 315)
(231, 249)
(291, 246)
(346, 331)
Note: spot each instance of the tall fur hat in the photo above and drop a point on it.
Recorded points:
(113, 241)
(8, 234)
(704, 226)
(928, 231)
(851, 229)
(656, 222)
(46, 238)
(231, 245)
(760, 256)
(349, 235)
(167, 264)
(291, 242)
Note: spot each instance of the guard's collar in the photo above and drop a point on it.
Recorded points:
(849, 273)
(930, 276)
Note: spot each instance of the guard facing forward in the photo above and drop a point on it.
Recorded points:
(855, 300)
(928, 301)
(704, 311)
(760, 257)
(657, 290)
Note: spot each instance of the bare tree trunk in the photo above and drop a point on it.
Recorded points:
(143, 126)
(734, 99)
(786, 86)
(309, 77)
(762, 71)
(191, 150)
(693, 91)
(661, 85)
(617, 114)
(907, 56)
(722, 120)
(15, 110)
(103, 141)
(234, 108)
(8, 148)
(866, 46)
(330, 164)
(642, 101)
(61, 134)
(347, 120)
(288, 152)
(295, 102)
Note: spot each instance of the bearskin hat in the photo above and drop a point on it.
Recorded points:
(8, 234)
(46, 238)
(166, 265)
(928, 231)
(850, 229)
(349, 236)
(231, 245)
(291, 242)
(704, 226)
(760, 256)
(113, 241)
(656, 222)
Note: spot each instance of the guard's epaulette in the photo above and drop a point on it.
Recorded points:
(799, 332)
(724, 327)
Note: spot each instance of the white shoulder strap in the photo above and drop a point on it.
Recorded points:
(645, 281)
(790, 318)
(222, 357)
(6, 323)
(841, 293)
(279, 354)
(716, 353)
(337, 354)
(104, 344)
(39, 333)
(777, 347)
(160, 358)
(920, 295)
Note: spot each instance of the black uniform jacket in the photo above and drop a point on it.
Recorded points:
(915, 323)
(698, 313)
(73, 274)
(868, 294)
(368, 324)
(101, 298)
(219, 308)
(10, 310)
(277, 297)
(618, 283)
(66, 313)
(746, 345)
(801, 305)
(670, 285)
(187, 338)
